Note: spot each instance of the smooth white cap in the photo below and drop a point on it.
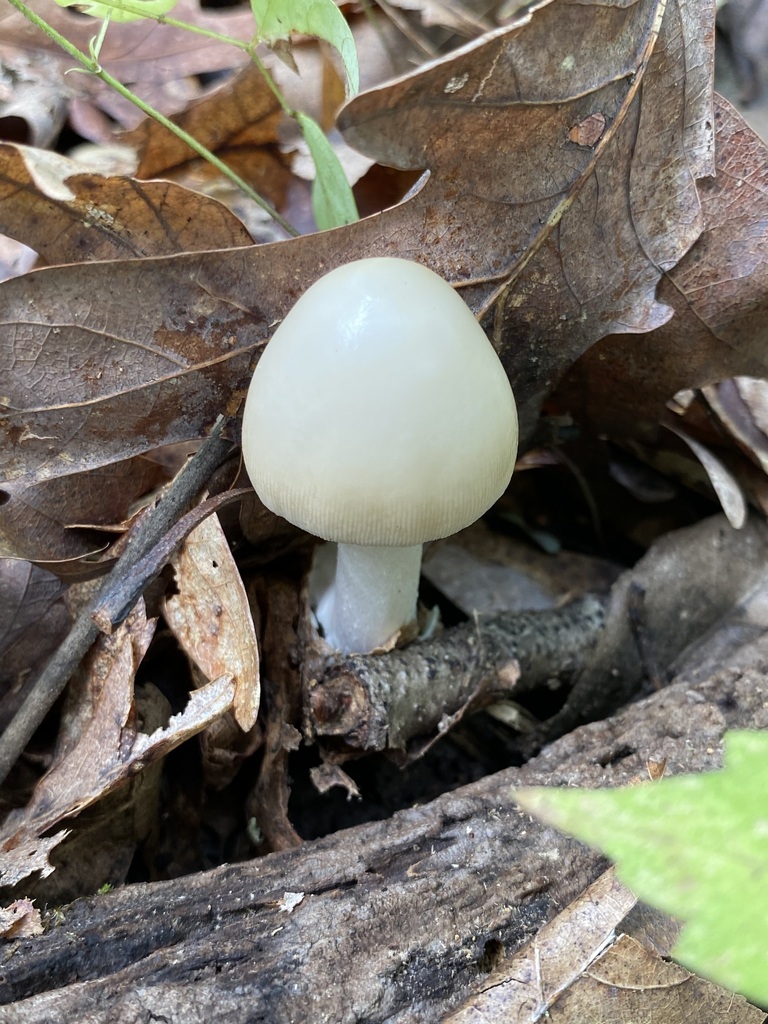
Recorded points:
(379, 412)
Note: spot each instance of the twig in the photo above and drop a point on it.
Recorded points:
(148, 531)
(371, 702)
(117, 604)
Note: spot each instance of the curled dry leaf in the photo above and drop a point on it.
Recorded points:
(563, 243)
(689, 580)
(724, 483)
(29, 96)
(210, 616)
(741, 407)
(727, 421)
(465, 19)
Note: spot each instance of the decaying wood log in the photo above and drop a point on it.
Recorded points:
(392, 921)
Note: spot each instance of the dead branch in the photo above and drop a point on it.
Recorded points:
(374, 702)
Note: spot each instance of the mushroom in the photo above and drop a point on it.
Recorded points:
(380, 417)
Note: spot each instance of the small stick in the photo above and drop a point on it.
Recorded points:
(155, 522)
(373, 702)
(115, 607)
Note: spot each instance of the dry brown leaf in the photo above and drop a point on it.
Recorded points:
(20, 920)
(630, 982)
(133, 369)
(100, 748)
(27, 594)
(209, 615)
(39, 525)
(211, 618)
(26, 854)
(576, 969)
(242, 112)
(526, 987)
(105, 837)
(239, 122)
(719, 293)
(67, 215)
(97, 721)
(566, 242)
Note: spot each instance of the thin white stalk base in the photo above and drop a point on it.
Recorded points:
(373, 596)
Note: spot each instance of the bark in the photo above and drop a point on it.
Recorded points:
(374, 702)
(398, 919)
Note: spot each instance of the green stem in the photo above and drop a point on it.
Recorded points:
(187, 26)
(94, 68)
(287, 109)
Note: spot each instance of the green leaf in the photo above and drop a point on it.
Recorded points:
(277, 19)
(332, 201)
(695, 847)
(114, 9)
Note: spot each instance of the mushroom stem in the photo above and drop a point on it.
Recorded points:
(374, 594)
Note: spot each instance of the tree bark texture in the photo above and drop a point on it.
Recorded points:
(371, 702)
(397, 919)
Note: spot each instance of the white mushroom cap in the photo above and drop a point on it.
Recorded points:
(379, 412)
